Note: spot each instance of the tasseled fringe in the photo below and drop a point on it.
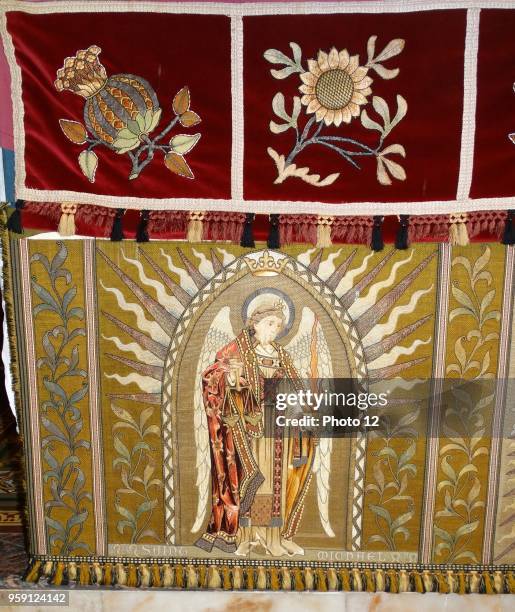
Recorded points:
(14, 223)
(458, 234)
(401, 239)
(285, 578)
(508, 236)
(377, 243)
(162, 222)
(273, 235)
(142, 231)
(195, 226)
(66, 225)
(324, 231)
(117, 234)
(247, 236)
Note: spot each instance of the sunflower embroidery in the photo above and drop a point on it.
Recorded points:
(335, 89)
(122, 113)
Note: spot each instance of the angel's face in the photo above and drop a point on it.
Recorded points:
(268, 329)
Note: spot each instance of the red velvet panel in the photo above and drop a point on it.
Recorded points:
(494, 158)
(168, 51)
(430, 79)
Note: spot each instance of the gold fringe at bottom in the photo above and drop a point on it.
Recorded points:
(274, 578)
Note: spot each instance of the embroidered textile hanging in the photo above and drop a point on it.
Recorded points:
(139, 375)
(355, 108)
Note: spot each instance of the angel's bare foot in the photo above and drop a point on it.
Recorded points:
(292, 548)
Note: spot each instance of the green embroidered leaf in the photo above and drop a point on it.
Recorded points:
(88, 162)
(382, 512)
(443, 535)
(183, 143)
(140, 120)
(126, 513)
(122, 145)
(76, 519)
(154, 120)
(145, 415)
(123, 414)
(400, 520)
(121, 448)
(466, 529)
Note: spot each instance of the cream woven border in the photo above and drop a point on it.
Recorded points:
(462, 203)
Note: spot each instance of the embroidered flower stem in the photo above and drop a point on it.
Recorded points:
(150, 146)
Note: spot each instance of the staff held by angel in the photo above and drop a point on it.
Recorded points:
(258, 482)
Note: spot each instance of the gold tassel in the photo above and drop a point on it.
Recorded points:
(167, 575)
(392, 575)
(84, 574)
(510, 581)
(487, 579)
(108, 574)
(249, 573)
(59, 574)
(237, 578)
(132, 576)
(404, 586)
(369, 581)
(474, 581)
(298, 583)
(72, 571)
(345, 576)
(121, 574)
(261, 578)
(33, 574)
(226, 583)
(443, 587)
(417, 580)
(309, 579)
(156, 575)
(321, 583)
(380, 581)
(462, 586)
(202, 576)
(179, 582)
(451, 581)
(195, 226)
(357, 583)
(428, 580)
(498, 582)
(324, 231)
(458, 234)
(47, 568)
(332, 579)
(97, 572)
(274, 579)
(286, 579)
(144, 574)
(66, 225)
(191, 577)
(214, 581)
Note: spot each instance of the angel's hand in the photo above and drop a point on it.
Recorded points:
(234, 372)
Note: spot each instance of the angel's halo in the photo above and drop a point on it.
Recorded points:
(260, 295)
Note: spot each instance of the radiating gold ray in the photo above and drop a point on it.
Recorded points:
(334, 280)
(350, 296)
(374, 351)
(393, 370)
(371, 316)
(183, 296)
(195, 275)
(142, 339)
(162, 316)
(146, 369)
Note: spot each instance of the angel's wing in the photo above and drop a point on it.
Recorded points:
(219, 334)
(312, 358)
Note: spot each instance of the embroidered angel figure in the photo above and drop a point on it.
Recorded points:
(254, 486)
(335, 89)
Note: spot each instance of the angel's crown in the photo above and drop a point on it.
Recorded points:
(266, 264)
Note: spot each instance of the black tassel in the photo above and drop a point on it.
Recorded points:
(117, 230)
(377, 234)
(401, 240)
(247, 237)
(14, 223)
(273, 235)
(508, 236)
(141, 232)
